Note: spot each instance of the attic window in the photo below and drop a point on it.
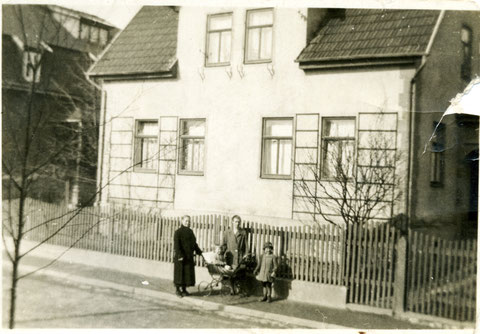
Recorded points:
(466, 38)
(93, 34)
(31, 65)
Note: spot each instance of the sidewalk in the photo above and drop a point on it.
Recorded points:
(298, 314)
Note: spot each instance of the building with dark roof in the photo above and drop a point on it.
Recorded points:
(46, 51)
(147, 46)
(228, 110)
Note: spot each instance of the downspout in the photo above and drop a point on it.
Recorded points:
(412, 114)
(101, 147)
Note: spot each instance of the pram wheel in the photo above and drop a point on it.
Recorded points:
(205, 288)
(225, 289)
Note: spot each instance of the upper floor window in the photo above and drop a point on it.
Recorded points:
(338, 142)
(277, 140)
(31, 65)
(192, 146)
(146, 145)
(259, 35)
(466, 38)
(93, 34)
(219, 39)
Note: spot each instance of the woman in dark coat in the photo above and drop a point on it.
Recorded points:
(185, 245)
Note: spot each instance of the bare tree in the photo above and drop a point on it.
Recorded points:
(50, 135)
(356, 183)
(49, 122)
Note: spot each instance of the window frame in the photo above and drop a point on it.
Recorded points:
(220, 31)
(466, 65)
(324, 140)
(136, 136)
(437, 156)
(27, 65)
(264, 175)
(247, 29)
(99, 28)
(181, 137)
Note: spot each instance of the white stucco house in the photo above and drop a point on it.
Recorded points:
(225, 110)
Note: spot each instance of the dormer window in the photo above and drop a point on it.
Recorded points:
(259, 36)
(466, 38)
(219, 39)
(93, 34)
(31, 65)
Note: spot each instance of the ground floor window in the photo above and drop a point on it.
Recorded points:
(437, 163)
(146, 145)
(338, 142)
(277, 147)
(192, 146)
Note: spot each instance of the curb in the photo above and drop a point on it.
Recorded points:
(205, 305)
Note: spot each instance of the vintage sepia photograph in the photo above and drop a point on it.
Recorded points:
(246, 165)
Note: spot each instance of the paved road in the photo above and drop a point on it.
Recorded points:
(44, 302)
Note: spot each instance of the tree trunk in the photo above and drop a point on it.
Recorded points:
(13, 294)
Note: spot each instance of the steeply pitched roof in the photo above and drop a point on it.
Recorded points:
(33, 24)
(370, 34)
(146, 47)
(80, 14)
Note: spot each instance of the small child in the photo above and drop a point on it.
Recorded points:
(265, 271)
(220, 258)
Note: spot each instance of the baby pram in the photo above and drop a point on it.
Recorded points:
(222, 276)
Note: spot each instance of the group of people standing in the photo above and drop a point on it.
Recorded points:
(235, 244)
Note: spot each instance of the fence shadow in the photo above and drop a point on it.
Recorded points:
(283, 284)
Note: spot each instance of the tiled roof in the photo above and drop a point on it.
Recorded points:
(372, 33)
(148, 45)
(33, 24)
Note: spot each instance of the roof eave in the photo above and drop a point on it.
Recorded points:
(347, 62)
(133, 76)
(165, 74)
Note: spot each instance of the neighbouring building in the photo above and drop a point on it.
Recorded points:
(46, 51)
(253, 110)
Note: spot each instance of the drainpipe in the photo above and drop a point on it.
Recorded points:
(101, 146)
(411, 136)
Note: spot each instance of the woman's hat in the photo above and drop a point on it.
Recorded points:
(268, 244)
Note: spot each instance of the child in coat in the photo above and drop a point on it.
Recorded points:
(265, 271)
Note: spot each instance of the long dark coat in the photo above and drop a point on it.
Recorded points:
(237, 246)
(185, 245)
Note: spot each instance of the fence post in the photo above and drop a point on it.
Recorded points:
(112, 229)
(399, 286)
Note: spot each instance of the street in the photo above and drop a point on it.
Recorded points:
(44, 302)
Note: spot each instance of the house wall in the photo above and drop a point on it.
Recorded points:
(439, 82)
(234, 100)
(62, 75)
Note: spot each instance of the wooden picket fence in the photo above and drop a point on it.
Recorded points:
(306, 253)
(441, 276)
(370, 264)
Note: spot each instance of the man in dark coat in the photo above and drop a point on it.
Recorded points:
(185, 245)
(236, 242)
